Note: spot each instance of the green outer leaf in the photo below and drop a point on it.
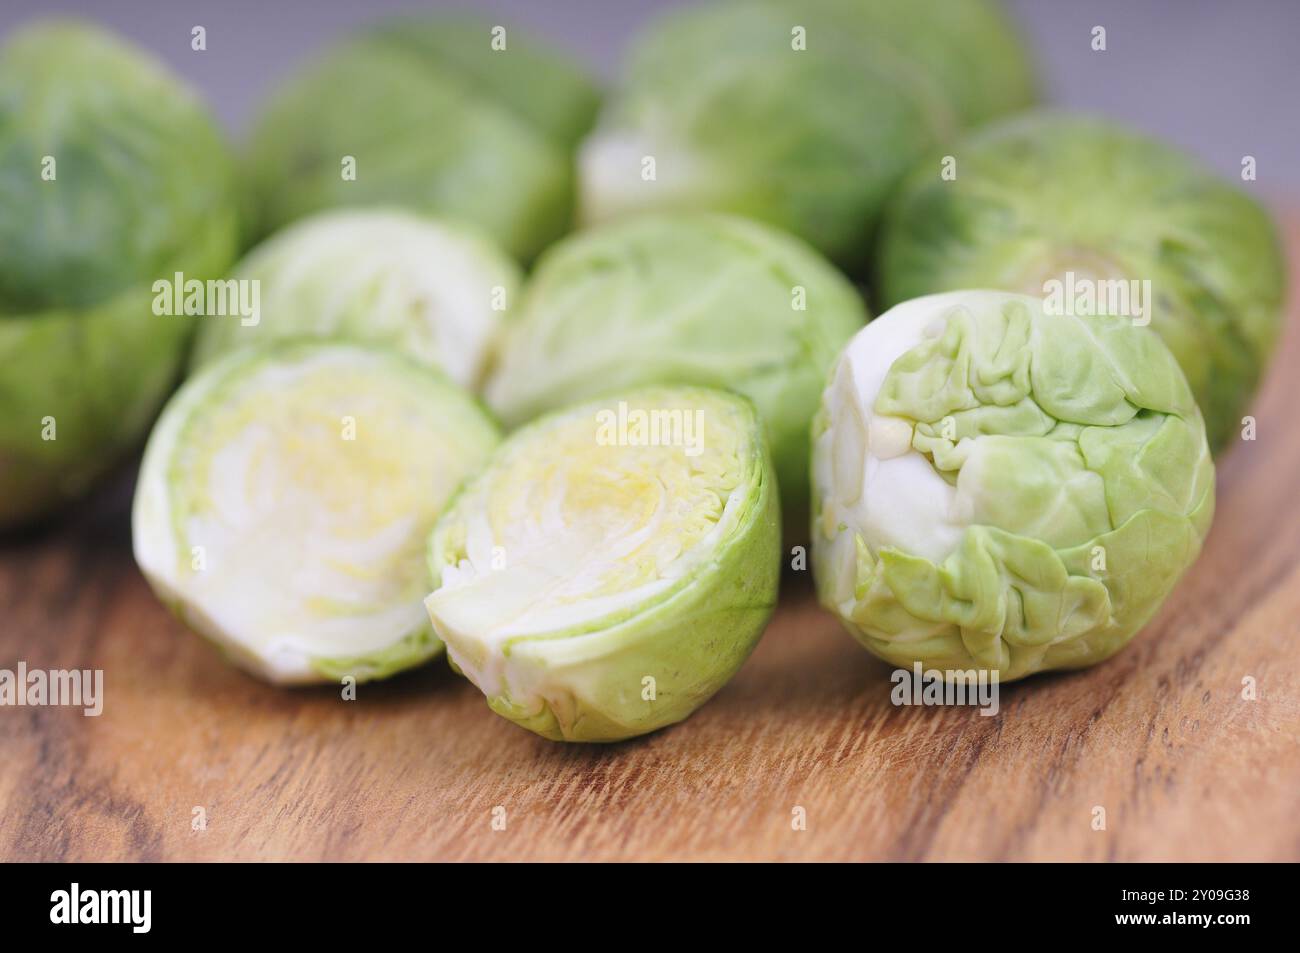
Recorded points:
(101, 374)
(811, 141)
(143, 188)
(538, 85)
(969, 51)
(1039, 195)
(312, 288)
(143, 182)
(413, 650)
(691, 639)
(431, 128)
(689, 299)
(1020, 593)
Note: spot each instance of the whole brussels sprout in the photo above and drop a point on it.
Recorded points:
(439, 114)
(693, 299)
(802, 114)
(614, 565)
(112, 176)
(433, 291)
(1003, 489)
(1040, 196)
(286, 498)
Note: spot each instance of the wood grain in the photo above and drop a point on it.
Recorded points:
(1159, 736)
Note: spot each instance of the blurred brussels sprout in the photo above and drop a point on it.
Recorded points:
(1002, 489)
(433, 291)
(692, 299)
(614, 565)
(799, 114)
(448, 115)
(112, 176)
(1085, 203)
(286, 498)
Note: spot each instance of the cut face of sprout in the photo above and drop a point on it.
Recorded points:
(623, 540)
(285, 500)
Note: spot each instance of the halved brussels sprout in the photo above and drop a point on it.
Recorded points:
(1001, 489)
(434, 291)
(691, 299)
(285, 500)
(1038, 197)
(112, 176)
(799, 114)
(438, 118)
(614, 565)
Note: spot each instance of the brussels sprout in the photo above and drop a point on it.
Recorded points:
(112, 176)
(1004, 490)
(285, 500)
(799, 114)
(435, 119)
(614, 564)
(1037, 197)
(692, 299)
(434, 291)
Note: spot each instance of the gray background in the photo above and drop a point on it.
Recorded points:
(1219, 77)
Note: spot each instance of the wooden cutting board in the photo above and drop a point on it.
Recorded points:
(1159, 737)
